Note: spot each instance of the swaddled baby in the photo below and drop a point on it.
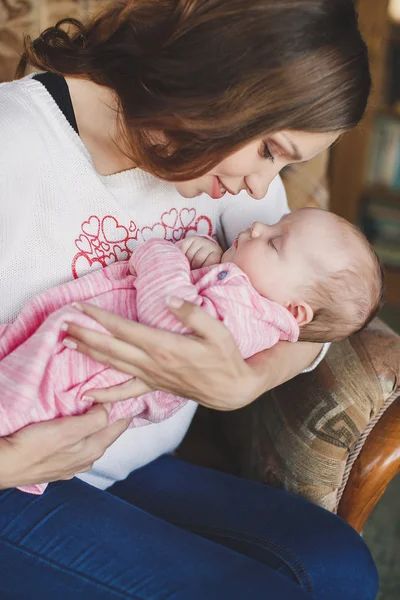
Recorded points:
(311, 276)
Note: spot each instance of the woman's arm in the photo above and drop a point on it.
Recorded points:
(56, 449)
(205, 366)
(283, 362)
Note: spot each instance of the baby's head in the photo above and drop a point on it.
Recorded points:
(316, 264)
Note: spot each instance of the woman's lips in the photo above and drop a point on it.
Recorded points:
(216, 192)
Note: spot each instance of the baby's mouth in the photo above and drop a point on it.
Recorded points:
(235, 243)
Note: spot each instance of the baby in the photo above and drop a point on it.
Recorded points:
(317, 265)
(312, 276)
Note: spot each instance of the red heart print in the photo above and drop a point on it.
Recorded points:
(131, 244)
(178, 234)
(187, 216)
(110, 258)
(82, 265)
(203, 225)
(83, 244)
(157, 231)
(92, 226)
(120, 254)
(170, 218)
(112, 231)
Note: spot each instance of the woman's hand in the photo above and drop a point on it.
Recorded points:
(56, 449)
(205, 366)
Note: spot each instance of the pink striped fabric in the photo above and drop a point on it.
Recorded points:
(41, 379)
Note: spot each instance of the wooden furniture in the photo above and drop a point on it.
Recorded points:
(377, 464)
(349, 158)
(242, 443)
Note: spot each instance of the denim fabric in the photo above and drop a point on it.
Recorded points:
(173, 531)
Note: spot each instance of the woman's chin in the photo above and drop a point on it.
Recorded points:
(186, 191)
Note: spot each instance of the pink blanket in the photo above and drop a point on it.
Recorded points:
(41, 379)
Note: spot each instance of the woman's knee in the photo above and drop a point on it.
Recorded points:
(343, 567)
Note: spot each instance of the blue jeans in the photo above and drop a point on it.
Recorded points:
(174, 531)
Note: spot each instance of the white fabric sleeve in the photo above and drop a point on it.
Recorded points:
(239, 212)
(319, 358)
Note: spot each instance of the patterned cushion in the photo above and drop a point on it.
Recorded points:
(301, 435)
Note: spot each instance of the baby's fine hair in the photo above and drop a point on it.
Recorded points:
(346, 301)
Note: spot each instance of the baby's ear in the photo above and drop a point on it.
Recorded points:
(302, 312)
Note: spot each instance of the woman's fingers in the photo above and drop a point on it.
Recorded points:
(130, 389)
(121, 328)
(98, 443)
(59, 448)
(94, 446)
(71, 430)
(106, 349)
(205, 365)
(198, 320)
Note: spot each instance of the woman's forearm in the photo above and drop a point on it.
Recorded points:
(5, 480)
(281, 363)
(56, 449)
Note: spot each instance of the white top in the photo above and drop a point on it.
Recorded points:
(59, 219)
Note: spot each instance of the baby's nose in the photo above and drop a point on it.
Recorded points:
(256, 229)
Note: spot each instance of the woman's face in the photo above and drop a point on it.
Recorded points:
(253, 167)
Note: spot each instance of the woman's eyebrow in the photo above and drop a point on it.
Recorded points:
(294, 149)
(296, 153)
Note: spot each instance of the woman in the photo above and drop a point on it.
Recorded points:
(216, 96)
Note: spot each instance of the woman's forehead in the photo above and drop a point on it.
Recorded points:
(310, 144)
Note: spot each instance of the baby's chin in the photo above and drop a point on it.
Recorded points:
(228, 255)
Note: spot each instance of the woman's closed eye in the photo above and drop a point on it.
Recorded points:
(267, 152)
(271, 150)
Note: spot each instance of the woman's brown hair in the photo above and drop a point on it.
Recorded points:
(214, 74)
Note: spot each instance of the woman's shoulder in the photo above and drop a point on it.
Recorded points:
(20, 114)
(15, 106)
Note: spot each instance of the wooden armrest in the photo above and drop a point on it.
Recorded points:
(304, 436)
(375, 467)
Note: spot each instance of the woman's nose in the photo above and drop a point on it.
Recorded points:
(234, 185)
(258, 184)
(255, 190)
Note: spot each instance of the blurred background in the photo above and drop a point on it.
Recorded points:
(365, 165)
(358, 179)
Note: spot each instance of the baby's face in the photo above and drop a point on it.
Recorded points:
(280, 259)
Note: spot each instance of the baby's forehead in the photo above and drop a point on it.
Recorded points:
(331, 240)
(324, 238)
(313, 222)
